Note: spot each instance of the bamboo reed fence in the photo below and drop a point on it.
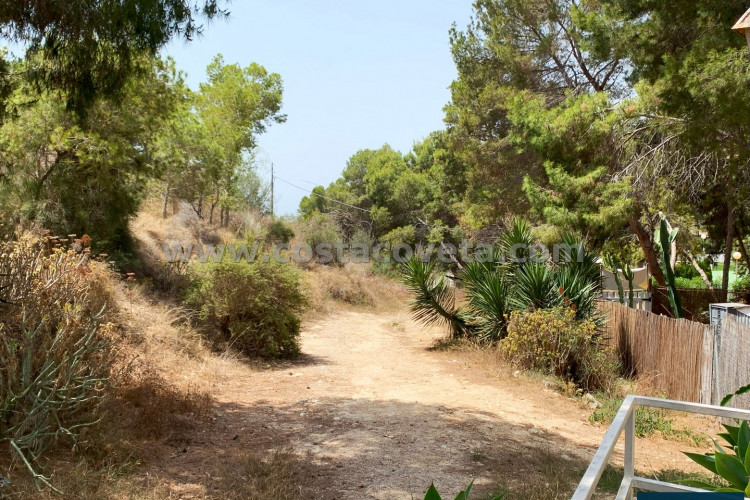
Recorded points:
(676, 356)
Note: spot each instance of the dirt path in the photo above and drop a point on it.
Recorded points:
(374, 413)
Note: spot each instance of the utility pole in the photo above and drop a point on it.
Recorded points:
(271, 191)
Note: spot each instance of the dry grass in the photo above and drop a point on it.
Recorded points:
(160, 336)
(330, 287)
(254, 478)
(183, 226)
(250, 478)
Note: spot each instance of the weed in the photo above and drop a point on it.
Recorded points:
(648, 421)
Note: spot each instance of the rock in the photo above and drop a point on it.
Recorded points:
(591, 401)
(516, 373)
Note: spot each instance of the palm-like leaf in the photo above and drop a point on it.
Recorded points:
(488, 295)
(534, 287)
(516, 242)
(433, 299)
(577, 290)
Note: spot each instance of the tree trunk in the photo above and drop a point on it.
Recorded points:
(702, 273)
(743, 249)
(199, 209)
(166, 200)
(648, 250)
(728, 249)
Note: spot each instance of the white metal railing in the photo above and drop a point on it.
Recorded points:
(625, 420)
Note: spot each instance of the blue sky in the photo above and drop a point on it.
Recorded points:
(356, 75)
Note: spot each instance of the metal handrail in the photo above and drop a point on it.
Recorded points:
(625, 420)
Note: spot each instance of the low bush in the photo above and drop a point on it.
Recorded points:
(320, 231)
(695, 283)
(553, 341)
(257, 305)
(741, 284)
(279, 232)
(648, 421)
(55, 352)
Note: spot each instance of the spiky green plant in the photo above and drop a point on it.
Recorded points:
(515, 243)
(732, 466)
(613, 264)
(534, 287)
(664, 239)
(433, 494)
(627, 271)
(488, 302)
(495, 289)
(433, 300)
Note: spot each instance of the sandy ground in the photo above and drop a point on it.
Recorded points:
(374, 412)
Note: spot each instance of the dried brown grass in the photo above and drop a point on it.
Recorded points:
(330, 287)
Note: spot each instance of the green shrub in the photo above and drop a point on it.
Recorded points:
(55, 353)
(279, 232)
(742, 284)
(695, 283)
(257, 306)
(553, 341)
(685, 270)
(321, 230)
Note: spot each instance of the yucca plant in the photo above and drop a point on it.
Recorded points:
(534, 287)
(488, 299)
(515, 243)
(494, 288)
(433, 300)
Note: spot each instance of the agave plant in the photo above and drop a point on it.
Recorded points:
(733, 466)
(432, 494)
(664, 240)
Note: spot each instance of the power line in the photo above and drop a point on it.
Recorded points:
(321, 196)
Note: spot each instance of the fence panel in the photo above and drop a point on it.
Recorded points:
(732, 367)
(671, 353)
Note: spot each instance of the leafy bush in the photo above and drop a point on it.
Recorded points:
(279, 232)
(695, 283)
(55, 354)
(742, 284)
(553, 341)
(685, 270)
(321, 230)
(256, 306)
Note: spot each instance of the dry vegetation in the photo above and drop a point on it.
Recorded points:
(165, 375)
